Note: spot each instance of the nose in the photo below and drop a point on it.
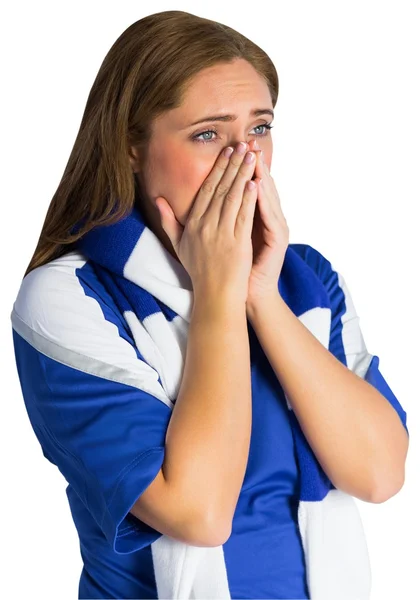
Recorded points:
(253, 146)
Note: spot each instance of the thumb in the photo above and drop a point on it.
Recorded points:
(169, 222)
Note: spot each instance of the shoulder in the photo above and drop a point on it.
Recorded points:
(61, 301)
(325, 269)
(63, 311)
(49, 290)
(314, 259)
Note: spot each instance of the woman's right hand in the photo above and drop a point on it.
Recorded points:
(215, 246)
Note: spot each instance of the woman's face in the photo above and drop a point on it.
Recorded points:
(179, 157)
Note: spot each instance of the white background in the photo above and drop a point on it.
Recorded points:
(346, 164)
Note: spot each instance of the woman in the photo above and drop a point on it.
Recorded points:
(163, 330)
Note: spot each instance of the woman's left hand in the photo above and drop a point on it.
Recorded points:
(270, 236)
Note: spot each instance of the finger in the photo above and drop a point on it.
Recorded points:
(225, 184)
(231, 203)
(245, 217)
(209, 185)
(168, 221)
(259, 165)
(254, 147)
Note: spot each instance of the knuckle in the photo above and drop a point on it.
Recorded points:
(220, 166)
(192, 224)
(208, 186)
(222, 189)
(242, 217)
(236, 162)
(206, 230)
(230, 196)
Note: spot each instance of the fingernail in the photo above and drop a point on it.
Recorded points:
(241, 148)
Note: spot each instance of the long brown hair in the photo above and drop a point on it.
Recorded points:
(145, 73)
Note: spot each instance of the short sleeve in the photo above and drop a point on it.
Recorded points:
(346, 339)
(95, 405)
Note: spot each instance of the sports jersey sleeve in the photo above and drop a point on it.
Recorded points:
(96, 406)
(346, 339)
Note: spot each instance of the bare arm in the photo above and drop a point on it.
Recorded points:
(208, 436)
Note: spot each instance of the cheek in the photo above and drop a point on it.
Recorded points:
(267, 160)
(178, 177)
(191, 173)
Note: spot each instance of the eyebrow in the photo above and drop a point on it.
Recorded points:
(255, 113)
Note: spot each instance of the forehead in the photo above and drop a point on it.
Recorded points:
(228, 87)
(235, 79)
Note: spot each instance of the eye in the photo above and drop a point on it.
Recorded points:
(196, 137)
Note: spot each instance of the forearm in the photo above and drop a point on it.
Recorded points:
(355, 433)
(208, 437)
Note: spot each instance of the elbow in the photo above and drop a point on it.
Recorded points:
(211, 532)
(390, 482)
(383, 493)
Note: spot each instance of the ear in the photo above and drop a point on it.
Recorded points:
(135, 159)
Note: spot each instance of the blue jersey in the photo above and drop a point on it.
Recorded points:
(98, 411)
